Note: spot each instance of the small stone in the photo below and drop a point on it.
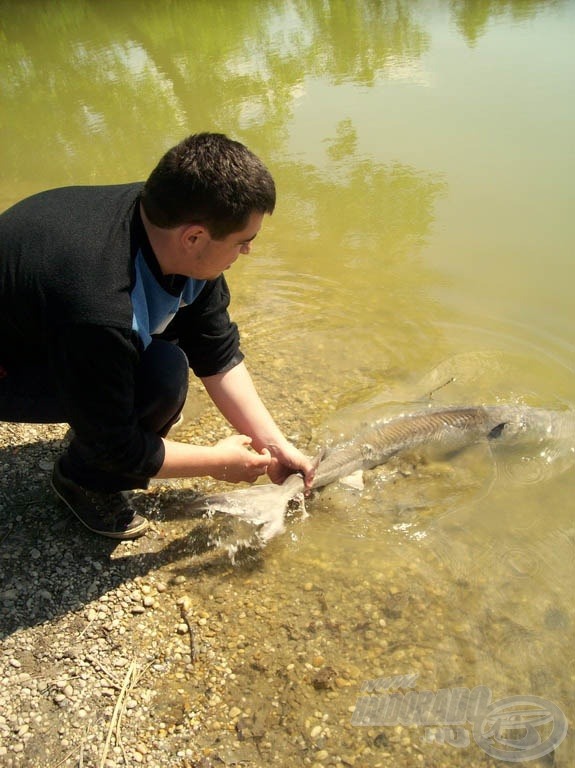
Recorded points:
(324, 678)
(180, 580)
(35, 554)
(235, 712)
(323, 754)
(315, 731)
(308, 586)
(149, 601)
(15, 663)
(182, 629)
(92, 614)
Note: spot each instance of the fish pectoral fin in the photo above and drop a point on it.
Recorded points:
(354, 480)
(319, 458)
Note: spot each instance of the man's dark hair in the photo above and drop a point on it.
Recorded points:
(211, 180)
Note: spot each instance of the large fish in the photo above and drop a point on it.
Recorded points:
(449, 429)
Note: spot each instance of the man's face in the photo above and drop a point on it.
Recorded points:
(208, 258)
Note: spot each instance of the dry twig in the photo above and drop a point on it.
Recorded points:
(116, 714)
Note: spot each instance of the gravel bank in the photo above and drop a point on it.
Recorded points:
(162, 652)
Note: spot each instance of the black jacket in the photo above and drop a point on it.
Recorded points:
(66, 274)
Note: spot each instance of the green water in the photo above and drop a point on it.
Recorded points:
(423, 153)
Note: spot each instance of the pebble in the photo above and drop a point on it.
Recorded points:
(74, 681)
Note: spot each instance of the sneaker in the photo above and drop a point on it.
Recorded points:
(108, 514)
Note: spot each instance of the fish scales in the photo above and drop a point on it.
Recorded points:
(382, 440)
(450, 428)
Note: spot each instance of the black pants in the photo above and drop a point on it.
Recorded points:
(28, 395)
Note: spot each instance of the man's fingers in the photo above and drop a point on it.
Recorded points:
(264, 459)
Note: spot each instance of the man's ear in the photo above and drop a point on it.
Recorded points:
(192, 234)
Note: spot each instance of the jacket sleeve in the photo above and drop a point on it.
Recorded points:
(95, 368)
(205, 332)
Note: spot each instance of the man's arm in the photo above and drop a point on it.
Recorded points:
(230, 459)
(236, 397)
(211, 343)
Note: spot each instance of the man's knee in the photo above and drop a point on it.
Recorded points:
(162, 383)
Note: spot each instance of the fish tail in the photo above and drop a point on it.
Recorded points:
(496, 431)
(263, 505)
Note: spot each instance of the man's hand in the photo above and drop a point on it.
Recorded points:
(287, 459)
(236, 462)
(234, 394)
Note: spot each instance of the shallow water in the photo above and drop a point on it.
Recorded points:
(423, 243)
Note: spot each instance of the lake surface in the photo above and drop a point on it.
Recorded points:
(423, 245)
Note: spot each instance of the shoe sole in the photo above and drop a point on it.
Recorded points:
(134, 533)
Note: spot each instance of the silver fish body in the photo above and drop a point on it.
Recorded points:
(448, 428)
